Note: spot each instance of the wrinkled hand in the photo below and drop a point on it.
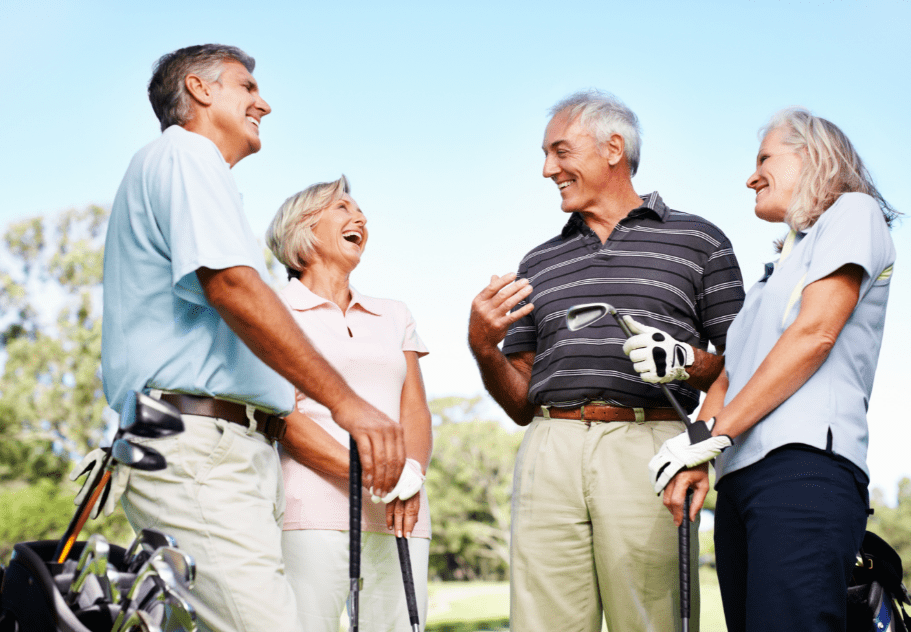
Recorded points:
(657, 357)
(490, 311)
(93, 466)
(402, 515)
(380, 443)
(677, 453)
(696, 479)
(410, 483)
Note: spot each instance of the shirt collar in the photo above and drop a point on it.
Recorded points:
(652, 204)
(299, 297)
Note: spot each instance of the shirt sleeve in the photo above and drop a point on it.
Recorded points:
(853, 230)
(411, 341)
(523, 335)
(722, 293)
(205, 223)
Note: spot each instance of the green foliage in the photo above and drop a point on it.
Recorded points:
(50, 390)
(469, 484)
(42, 511)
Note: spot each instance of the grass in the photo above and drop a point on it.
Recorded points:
(484, 606)
(477, 606)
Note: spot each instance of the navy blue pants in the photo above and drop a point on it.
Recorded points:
(787, 532)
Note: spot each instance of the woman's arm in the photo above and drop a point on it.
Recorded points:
(309, 443)
(415, 419)
(826, 305)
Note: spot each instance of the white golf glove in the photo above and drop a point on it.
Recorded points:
(410, 483)
(92, 465)
(657, 357)
(678, 453)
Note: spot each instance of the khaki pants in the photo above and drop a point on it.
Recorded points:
(589, 535)
(317, 567)
(222, 498)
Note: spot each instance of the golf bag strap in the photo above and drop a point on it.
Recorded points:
(272, 426)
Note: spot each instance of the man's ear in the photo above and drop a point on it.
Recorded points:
(199, 89)
(613, 149)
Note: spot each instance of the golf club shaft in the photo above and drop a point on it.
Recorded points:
(82, 514)
(354, 560)
(664, 389)
(684, 552)
(408, 580)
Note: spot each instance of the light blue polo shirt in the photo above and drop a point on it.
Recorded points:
(178, 210)
(835, 398)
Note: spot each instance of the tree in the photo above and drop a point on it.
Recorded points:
(893, 524)
(469, 485)
(50, 388)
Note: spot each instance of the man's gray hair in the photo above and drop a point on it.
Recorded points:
(167, 88)
(604, 115)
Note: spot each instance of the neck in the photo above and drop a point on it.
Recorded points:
(328, 282)
(200, 124)
(604, 215)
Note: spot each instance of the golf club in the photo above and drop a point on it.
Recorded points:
(408, 580)
(155, 566)
(683, 542)
(354, 530)
(93, 561)
(580, 316)
(142, 416)
(126, 453)
(140, 621)
(167, 599)
(146, 542)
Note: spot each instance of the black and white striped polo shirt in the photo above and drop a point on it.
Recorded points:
(665, 268)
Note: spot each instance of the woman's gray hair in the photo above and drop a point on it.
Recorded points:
(831, 167)
(167, 87)
(290, 234)
(604, 115)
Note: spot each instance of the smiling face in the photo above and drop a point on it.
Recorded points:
(572, 160)
(777, 172)
(236, 112)
(341, 233)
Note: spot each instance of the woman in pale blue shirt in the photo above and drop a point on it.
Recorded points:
(792, 487)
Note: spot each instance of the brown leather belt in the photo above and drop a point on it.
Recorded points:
(272, 426)
(600, 412)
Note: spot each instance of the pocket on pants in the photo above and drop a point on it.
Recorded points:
(204, 445)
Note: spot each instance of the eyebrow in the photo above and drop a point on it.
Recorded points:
(554, 144)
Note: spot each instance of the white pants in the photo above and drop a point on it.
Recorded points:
(222, 498)
(317, 565)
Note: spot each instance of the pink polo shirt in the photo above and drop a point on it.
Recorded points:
(371, 360)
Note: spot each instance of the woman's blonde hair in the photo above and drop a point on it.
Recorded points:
(831, 167)
(290, 234)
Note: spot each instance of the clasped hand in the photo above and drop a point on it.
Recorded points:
(678, 453)
(656, 356)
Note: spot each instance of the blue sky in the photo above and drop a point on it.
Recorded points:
(436, 112)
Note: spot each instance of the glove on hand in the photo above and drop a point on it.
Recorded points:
(678, 453)
(92, 465)
(657, 357)
(410, 483)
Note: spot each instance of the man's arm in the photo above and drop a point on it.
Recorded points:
(506, 379)
(259, 318)
(705, 368)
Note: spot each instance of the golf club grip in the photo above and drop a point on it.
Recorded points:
(408, 580)
(72, 532)
(354, 493)
(684, 552)
(664, 389)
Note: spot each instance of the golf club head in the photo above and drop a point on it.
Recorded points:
(137, 456)
(146, 416)
(581, 316)
(180, 562)
(145, 543)
(93, 561)
(140, 621)
(170, 605)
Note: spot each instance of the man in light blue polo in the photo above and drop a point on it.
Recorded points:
(189, 318)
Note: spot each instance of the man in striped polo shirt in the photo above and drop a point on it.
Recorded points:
(589, 535)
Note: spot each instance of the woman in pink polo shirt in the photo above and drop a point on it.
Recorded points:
(319, 235)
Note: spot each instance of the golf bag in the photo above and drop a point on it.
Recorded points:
(32, 600)
(877, 596)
